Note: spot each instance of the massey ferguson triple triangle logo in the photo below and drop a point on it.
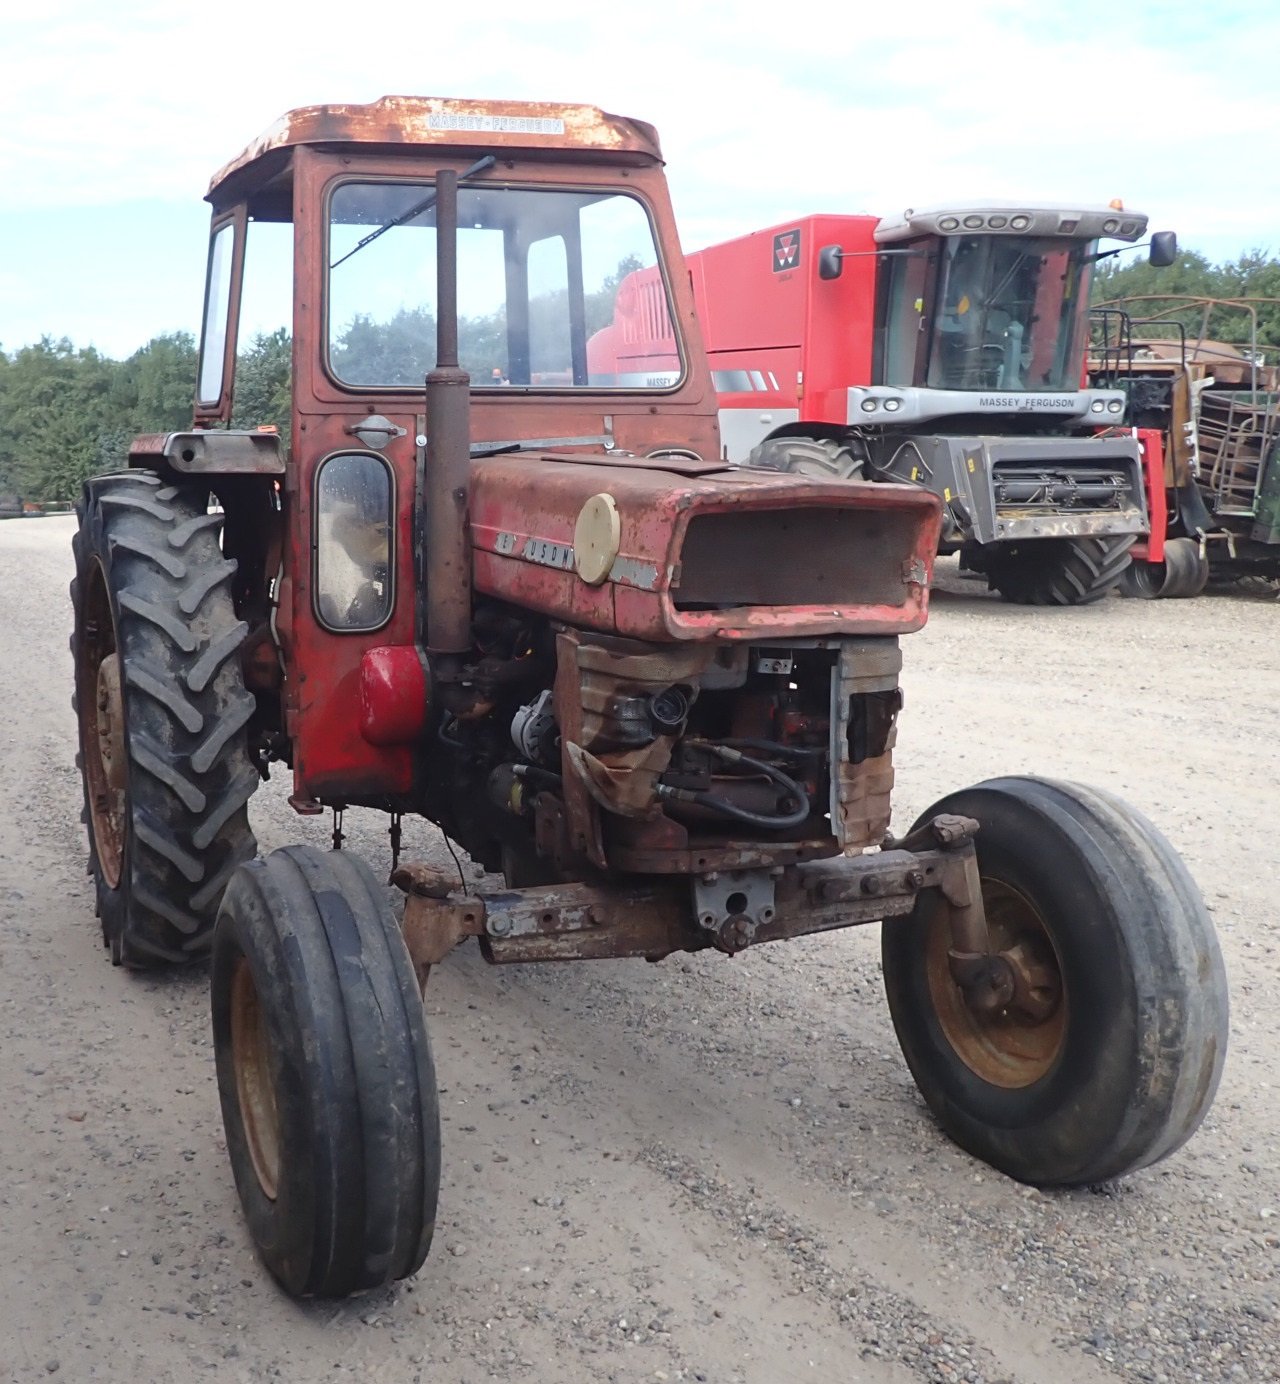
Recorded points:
(786, 250)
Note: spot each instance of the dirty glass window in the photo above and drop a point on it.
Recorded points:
(557, 289)
(213, 336)
(354, 514)
(1010, 309)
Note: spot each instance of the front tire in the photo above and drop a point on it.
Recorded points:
(325, 1074)
(1056, 571)
(1114, 1060)
(162, 711)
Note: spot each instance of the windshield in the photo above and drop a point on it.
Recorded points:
(541, 272)
(1007, 313)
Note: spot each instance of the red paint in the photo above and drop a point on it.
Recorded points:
(393, 695)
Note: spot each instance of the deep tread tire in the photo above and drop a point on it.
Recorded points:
(1146, 1021)
(148, 563)
(826, 458)
(356, 1118)
(1057, 571)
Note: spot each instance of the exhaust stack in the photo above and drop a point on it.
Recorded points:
(446, 474)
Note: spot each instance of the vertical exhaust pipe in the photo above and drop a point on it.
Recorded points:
(446, 474)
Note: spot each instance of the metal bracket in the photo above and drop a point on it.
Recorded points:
(733, 904)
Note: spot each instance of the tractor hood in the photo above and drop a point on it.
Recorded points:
(683, 550)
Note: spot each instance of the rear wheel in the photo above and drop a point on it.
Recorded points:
(162, 711)
(1109, 1054)
(1056, 571)
(1184, 572)
(325, 1074)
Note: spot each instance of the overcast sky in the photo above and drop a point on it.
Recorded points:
(114, 116)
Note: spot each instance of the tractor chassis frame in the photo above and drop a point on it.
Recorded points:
(654, 917)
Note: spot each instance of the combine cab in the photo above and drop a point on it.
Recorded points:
(523, 597)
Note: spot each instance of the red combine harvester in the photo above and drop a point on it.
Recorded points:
(943, 348)
(523, 598)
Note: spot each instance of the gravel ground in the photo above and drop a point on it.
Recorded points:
(703, 1170)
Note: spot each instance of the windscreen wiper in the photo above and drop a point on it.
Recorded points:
(417, 209)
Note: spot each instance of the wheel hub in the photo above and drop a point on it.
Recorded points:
(1004, 1013)
(111, 722)
(100, 699)
(255, 1087)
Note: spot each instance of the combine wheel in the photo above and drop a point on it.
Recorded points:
(325, 1074)
(1187, 572)
(162, 710)
(1182, 573)
(825, 458)
(1057, 571)
(1110, 1052)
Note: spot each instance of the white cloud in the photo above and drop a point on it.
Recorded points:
(765, 112)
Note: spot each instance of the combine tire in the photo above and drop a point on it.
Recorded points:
(1111, 1058)
(822, 457)
(1184, 572)
(1057, 571)
(162, 710)
(325, 1074)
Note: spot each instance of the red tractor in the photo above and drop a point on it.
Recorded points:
(527, 602)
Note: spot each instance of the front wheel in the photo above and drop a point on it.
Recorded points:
(1109, 1056)
(325, 1074)
(1056, 571)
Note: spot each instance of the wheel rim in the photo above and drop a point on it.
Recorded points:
(101, 706)
(1015, 1046)
(255, 1089)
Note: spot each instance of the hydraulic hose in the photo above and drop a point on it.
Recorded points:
(729, 755)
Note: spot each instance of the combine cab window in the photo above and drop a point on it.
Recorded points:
(998, 312)
(1009, 310)
(556, 289)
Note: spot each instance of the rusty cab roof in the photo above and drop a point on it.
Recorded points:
(399, 123)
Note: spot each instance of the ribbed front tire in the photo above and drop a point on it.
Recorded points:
(325, 1073)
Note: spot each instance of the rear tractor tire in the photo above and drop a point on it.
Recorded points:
(1184, 572)
(1108, 1055)
(162, 710)
(325, 1074)
(1056, 571)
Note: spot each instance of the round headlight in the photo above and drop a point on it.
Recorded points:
(1019, 223)
(973, 222)
(1098, 406)
(1110, 227)
(948, 223)
(892, 405)
(869, 405)
(997, 223)
(1115, 406)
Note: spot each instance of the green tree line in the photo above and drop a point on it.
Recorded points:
(67, 412)
(1253, 275)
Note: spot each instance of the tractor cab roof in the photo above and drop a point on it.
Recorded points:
(398, 124)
